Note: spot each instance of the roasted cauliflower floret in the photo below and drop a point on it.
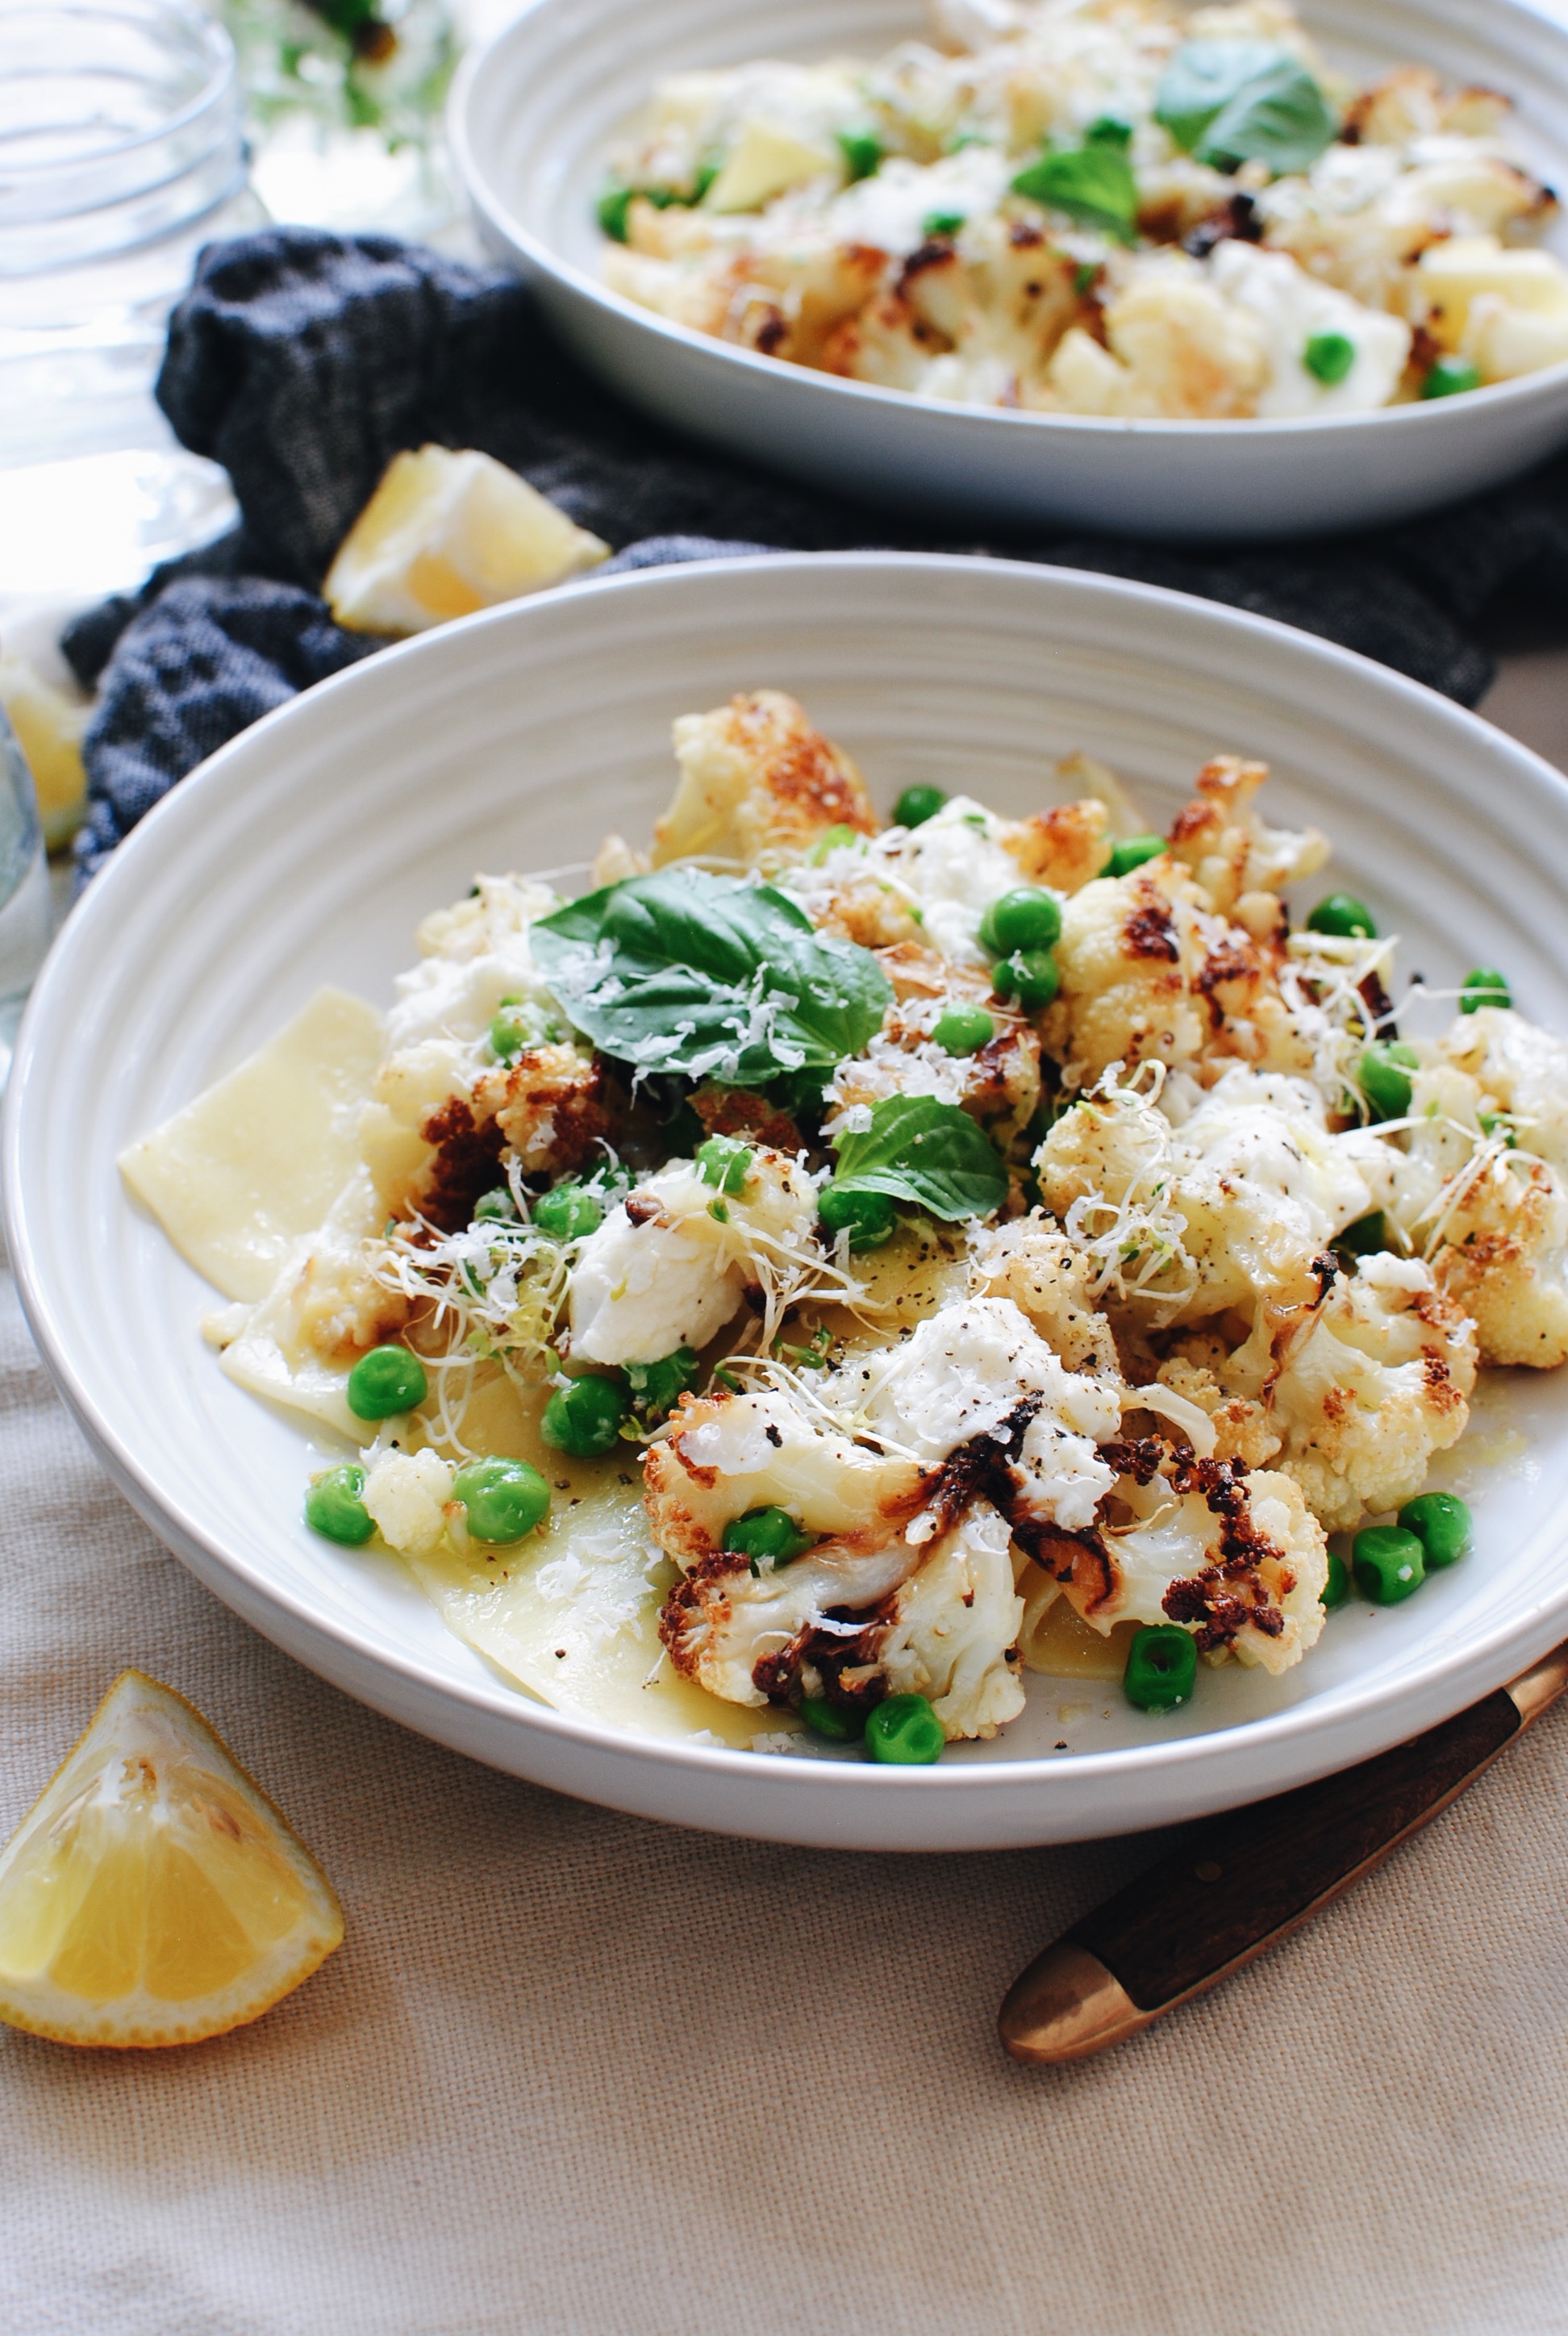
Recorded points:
(756, 778)
(342, 1308)
(1466, 1186)
(1220, 839)
(952, 1636)
(1521, 1070)
(1376, 1386)
(1064, 848)
(1411, 102)
(726, 1454)
(1125, 992)
(670, 1265)
(745, 1631)
(1194, 1370)
(493, 922)
(407, 1494)
(945, 1625)
(1235, 1208)
(1148, 971)
(1504, 1258)
(1051, 1280)
(1173, 346)
(975, 1369)
(1238, 1558)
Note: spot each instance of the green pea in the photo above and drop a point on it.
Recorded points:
(612, 207)
(568, 1213)
(832, 839)
(1027, 918)
(940, 225)
(334, 1508)
(1328, 356)
(1161, 1668)
(656, 1388)
(768, 1532)
(1133, 852)
(387, 1381)
(1449, 377)
(1337, 1588)
(1484, 987)
(831, 1720)
(917, 804)
(1441, 1524)
(496, 1207)
(584, 1420)
(1345, 917)
(724, 1163)
(964, 1031)
(503, 1499)
(869, 1217)
(905, 1732)
(1384, 1078)
(1390, 1564)
(507, 1036)
(862, 151)
(1029, 976)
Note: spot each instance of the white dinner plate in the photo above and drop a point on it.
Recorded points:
(306, 850)
(535, 114)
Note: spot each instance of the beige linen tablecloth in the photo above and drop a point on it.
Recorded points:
(572, 2072)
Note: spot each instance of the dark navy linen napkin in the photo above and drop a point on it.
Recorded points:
(302, 361)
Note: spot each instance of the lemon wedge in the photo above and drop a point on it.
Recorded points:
(153, 1895)
(49, 726)
(446, 533)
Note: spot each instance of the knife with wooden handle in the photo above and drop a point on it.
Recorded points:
(1247, 1880)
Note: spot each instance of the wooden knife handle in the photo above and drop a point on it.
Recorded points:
(1247, 1880)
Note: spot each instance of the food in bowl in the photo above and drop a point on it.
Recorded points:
(834, 1268)
(1123, 208)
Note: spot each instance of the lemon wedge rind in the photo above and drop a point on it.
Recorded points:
(153, 1894)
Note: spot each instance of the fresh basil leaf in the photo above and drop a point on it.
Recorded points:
(1095, 183)
(929, 1153)
(1231, 101)
(709, 975)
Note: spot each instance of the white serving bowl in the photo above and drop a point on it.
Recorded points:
(306, 850)
(535, 113)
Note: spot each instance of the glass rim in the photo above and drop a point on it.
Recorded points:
(220, 82)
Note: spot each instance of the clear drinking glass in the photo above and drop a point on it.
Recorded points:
(121, 152)
(24, 902)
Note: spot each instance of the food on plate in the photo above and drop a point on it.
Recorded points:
(829, 1269)
(153, 1895)
(1127, 208)
(446, 533)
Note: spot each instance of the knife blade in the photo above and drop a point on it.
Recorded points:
(1246, 1880)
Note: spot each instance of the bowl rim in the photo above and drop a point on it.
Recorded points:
(1432, 413)
(1447, 1678)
